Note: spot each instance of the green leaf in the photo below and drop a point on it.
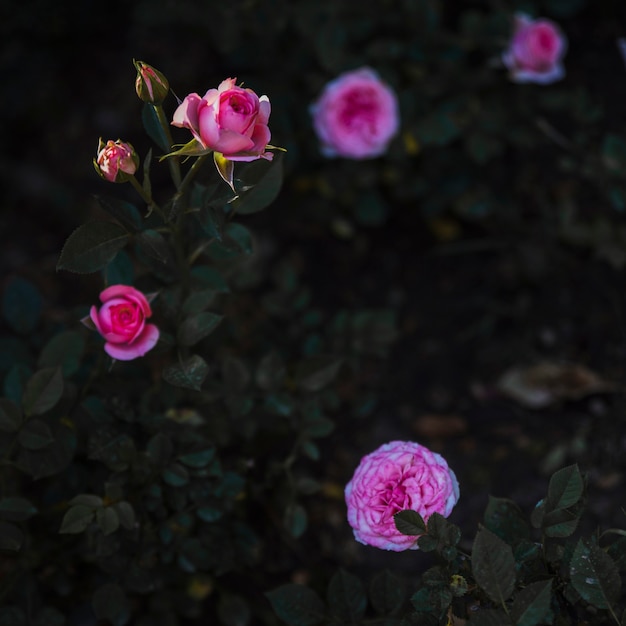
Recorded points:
(15, 382)
(318, 427)
(261, 181)
(198, 327)
(77, 519)
(493, 566)
(561, 523)
(504, 518)
(64, 350)
(565, 488)
(208, 277)
(21, 305)
(316, 372)
(10, 416)
(152, 244)
(126, 514)
(387, 593)
(270, 373)
(198, 301)
(189, 374)
(108, 520)
(35, 434)
(11, 537)
(198, 459)
(124, 212)
(175, 475)
(109, 604)
(91, 246)
(87, 499)
(225, 169)
(346, 597)
(531, 606)
(43, 390)
(16, 509)
(119, 271)
(240, 236)
(211, 220)
(297, 605)
(594, 575)
(409, 522)
(295, 520)
(153, 127)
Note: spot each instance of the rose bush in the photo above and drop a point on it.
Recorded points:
(535, 52)
(356, 115)
(397, 476)
(230, 120)
(116, 160)
(121, 320)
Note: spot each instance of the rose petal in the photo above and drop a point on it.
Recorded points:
(142, 344)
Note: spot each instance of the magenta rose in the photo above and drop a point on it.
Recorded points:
(356, 115)
(535, 51)
(121, 320)
(116, 160)
(230, 120)
(397, 476)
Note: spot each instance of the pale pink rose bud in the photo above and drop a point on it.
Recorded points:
(535, 51)
(356, 115)
(151, 85)
(116, 161)
(121, 320)
(230, 120)
(395, 477)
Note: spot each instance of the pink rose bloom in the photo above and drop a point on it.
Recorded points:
(535, 51)
(116, 160)
(230, 119)
(121, 320)
(356, 116)
(397, 476)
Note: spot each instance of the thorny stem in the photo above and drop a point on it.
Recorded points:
(172, 162)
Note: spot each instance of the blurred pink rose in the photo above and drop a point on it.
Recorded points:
(535, 52)
(230, 120)
(116, 160)
(356, 116)
(121, 320)
(397, 476)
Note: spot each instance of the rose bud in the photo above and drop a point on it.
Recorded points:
(151, 85)
(116, 161)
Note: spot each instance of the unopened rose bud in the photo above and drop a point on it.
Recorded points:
(151, 86)
(116, 161)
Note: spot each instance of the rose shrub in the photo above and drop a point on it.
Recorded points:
(121, 320)
(116, 160)
(356, 115)
(230, 120)
(535, 52)
(397, 476)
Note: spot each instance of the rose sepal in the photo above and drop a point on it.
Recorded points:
(191, 148)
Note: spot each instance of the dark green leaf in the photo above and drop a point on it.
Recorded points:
(318, 427)
(260, 185)
(198, 301)
(271, 372)
(64, 350)
(21, 305)
(196, 328)
(119, 271)
(565, 488)
(51, 459)
(91, 246)
(35, 434)
(409, 522)
(152, 244)
(561, 523)
(160, 449)
(387, 593)
(314, 373)
(211, 220)
(16, 509)
(77, 519)
(198, 459)
(208, 277)
(108, 520)
(189, 374)
(175, 475)
(493, 566)
(87, 499)
(297, 605)
(504, 518)
(346, 597)
(594, 575)
(295, 520)
(531, 606)
(240, 237)
(153, 127)
(43, 390)
(126, 514)
(109, 603)
(116, 451)
(124, 212)
(11, 537)
(10, 416)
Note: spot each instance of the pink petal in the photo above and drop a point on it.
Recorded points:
(142, 344)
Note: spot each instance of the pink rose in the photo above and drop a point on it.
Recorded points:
(150, 84)
(121, 320)
(230, 120)
(356, 116)
(116, 160)
(397, 476)
(535, 51)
